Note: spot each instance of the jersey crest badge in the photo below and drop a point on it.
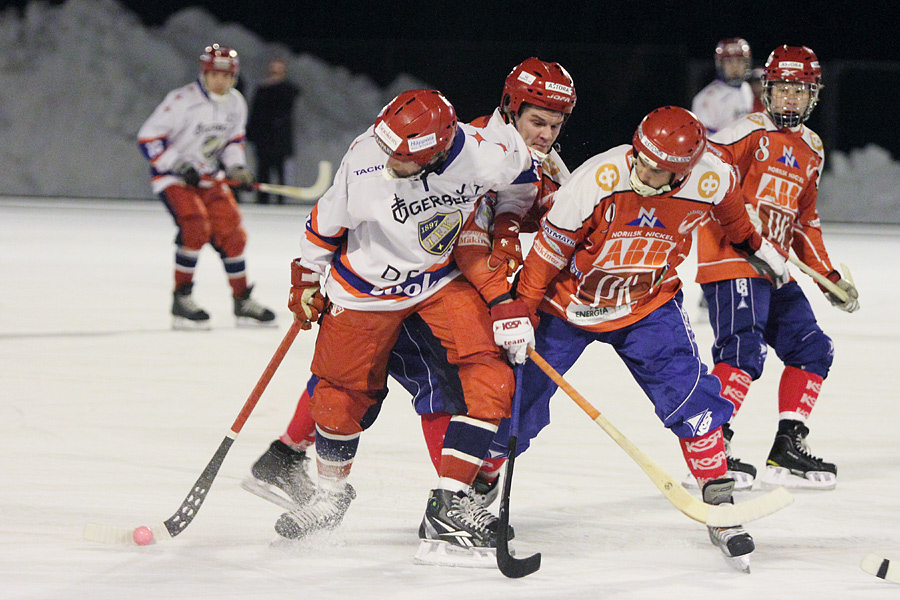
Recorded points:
(787, 157)
(647, 218)
(437, 234)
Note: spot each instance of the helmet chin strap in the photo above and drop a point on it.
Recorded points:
(642, 189)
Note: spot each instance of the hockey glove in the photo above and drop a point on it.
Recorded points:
(767, 260)
(852, 303)
(507, 251)
(188, 173)
(242, 176)
(513, 329)
(306, 301)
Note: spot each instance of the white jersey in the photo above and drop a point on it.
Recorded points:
(719, 104)
(191, 125)
(389, 242)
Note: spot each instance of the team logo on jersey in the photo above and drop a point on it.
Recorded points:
(437, 234)
(647, 218)
(756, 118)
(787, 157)
(709, 184)
(778, 191)
(692, 219)
(607, 177)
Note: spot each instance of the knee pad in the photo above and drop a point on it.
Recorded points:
(232, 242)
(815, 355)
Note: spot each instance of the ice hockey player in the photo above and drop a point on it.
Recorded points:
(729, 96)
(537, 99)
(779, 161)
(603, 268)
(384, 234)
(195, 133)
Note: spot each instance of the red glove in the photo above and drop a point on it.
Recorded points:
(506, 251)
(306, 301)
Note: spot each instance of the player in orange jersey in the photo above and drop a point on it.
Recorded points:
(780, 161)
(603, 268)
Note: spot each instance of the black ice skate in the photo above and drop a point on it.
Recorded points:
(250, 312)
(185, 312)
(280, 477)
(743, 474)
(791, 465)
(484, 492)
(324, 511)
(456, 531)
(735, 543)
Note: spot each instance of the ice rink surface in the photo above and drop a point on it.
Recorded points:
(107, 415)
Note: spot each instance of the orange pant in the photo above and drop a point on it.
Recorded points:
(353, 347)
(207, 215)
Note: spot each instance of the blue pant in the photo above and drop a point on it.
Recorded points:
(662, 356)
(750, 315)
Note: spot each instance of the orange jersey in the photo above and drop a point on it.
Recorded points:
(606, 257)
(779, 171)
(475, 242)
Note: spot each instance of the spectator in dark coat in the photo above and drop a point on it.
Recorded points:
(270, 125)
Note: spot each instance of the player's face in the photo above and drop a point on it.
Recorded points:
(539, 127)
(399, 169)
(789, 97)
(651, 176)
(219, 82)
(734, 67)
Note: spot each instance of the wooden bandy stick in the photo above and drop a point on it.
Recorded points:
(721, 515)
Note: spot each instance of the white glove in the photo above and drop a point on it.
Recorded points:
(771, 263)
(513, 330)
(852, 303)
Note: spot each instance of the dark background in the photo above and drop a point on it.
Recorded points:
(626, 58)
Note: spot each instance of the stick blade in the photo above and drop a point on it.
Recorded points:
(514, 568)
(729, 515)
(880, 567)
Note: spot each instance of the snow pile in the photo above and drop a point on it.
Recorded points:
(80, 78)
(860, 187)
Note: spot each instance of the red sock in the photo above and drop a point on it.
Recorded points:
(434, 427)
(735, 384)
(301, 432)
(705, 456)
(797, 393)
(238, 285)
(490, 468)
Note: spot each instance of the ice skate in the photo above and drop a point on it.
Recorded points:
(185, 312)
(735, 543)
(743, 474)
(484, 492)
(791, 465)
(280, 477)
(250, 312)
(457, 532)
(324, 511)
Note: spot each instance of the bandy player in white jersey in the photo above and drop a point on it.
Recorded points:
(729, 96)
(195, 131)
(383, 237)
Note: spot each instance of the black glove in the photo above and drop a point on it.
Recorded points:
(242, 176)
(188, 173)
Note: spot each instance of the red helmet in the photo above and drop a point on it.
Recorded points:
(672, 138)
(220, 58)
(416, 126)
(792, 64)
(543, 84)
(733, 47)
